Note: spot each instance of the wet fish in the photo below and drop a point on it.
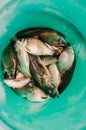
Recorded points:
(56, 76)
(23, 60)
(36, 95)
(43, 78)
(14, 83)
(66, 59)
(36, 47)
(53, 38)
(9, 61)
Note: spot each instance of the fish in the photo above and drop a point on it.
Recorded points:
(9, 62)
(23, 60)
(36, 95)
(42, 77)
(66, 59)
(14, 83)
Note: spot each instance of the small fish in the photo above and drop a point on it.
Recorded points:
(14, 83)
(42, 77)
(37, 95)
(31, 32)
(56, 76)
(66, 59)
(23, 60)
(36, 47)
(9, 61)
(53, 38)
(28, 32)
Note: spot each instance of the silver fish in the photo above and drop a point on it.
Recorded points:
(23, 60)
(66, 59)
(37, 95)
(19, 82)
(35, 46)
(56, 76)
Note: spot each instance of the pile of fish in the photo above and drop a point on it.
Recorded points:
(38, 63)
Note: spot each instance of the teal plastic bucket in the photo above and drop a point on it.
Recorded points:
(68, 111)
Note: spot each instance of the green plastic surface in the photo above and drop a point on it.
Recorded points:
(68, 111)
